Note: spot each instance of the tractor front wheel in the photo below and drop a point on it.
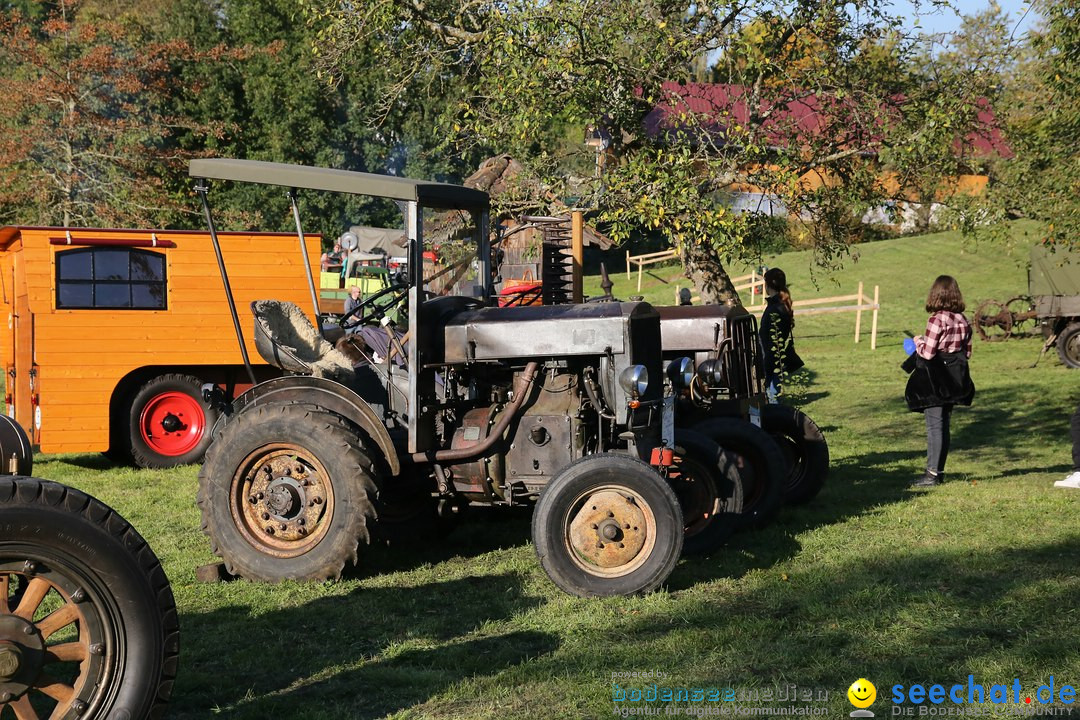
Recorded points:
(608, 525)
(707, 481)
(88, 624)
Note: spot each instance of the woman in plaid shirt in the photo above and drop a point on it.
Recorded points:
(941, 379)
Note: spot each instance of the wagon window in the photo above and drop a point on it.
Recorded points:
(110, 278)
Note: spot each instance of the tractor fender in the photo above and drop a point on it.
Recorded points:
(322, 393)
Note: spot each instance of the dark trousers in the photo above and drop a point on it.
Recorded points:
(937, 437)
(1074, 430)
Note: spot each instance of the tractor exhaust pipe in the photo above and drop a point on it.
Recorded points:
(440, 456)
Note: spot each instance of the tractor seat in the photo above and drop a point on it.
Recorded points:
(286, 338)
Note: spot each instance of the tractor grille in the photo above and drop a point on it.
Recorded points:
(741, 357)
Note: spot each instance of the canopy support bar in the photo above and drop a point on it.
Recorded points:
(201, 188)
(304, 257)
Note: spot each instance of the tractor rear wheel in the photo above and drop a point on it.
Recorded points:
(169, 422)
(607, 525)
(287, 493)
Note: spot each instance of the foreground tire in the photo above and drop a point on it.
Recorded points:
(759, 462)
(1068, 345)
(805, 451)
(287, 494)
(608, 525)
(169, 422)
(88, 625)
(707, 482)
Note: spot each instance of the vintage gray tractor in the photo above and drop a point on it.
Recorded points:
(713, 361)
(436, 399)
(88, 625)
(773, 453)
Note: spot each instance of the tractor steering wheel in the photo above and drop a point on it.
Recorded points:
(379, 304)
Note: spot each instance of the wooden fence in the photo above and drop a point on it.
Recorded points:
(856, 303)
(755, 283)
(646, 259)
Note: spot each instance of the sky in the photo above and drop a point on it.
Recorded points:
(943, 21)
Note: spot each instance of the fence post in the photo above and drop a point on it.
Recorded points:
(858, 313)
(873, 323)
(577, 251)
(627, 264)
(640, 272)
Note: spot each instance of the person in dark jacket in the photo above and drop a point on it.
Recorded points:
(1073, 479)
(777, 346)
(941, 379)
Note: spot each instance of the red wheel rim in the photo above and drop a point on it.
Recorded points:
(172, 423)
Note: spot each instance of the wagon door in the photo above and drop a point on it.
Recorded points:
(22, 391)
(7, 316)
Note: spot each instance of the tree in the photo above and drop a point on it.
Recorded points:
(813, 92)
(86, 139)
(1042, 181)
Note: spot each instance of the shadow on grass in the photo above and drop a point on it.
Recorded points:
(87, 461)
(854, 487)
(916, 614)
(479, 530)
(367, 654)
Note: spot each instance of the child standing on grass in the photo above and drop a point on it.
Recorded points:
(941, 379)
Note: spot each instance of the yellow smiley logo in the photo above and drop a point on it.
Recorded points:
(862, 693)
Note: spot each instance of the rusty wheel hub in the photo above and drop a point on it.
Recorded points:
(610, 532)
(282, 500)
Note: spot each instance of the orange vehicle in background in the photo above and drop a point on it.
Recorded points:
(112, 333)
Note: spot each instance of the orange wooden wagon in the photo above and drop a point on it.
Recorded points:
(112, 333)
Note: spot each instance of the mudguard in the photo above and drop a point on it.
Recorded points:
(320, 392)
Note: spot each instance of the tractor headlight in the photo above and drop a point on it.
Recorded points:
(634, 380)
(710, 372)
(680, 372)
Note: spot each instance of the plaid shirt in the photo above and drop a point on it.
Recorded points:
(946, 331)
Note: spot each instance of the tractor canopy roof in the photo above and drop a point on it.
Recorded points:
(428, 194)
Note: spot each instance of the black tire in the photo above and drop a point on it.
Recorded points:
(1068, 345)
(759, 461)
(287, 493)
(563, 530)
(707, 482)
(169, 423)
(806, 454)
(68, 557)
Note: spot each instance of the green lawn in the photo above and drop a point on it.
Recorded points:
(870, 580)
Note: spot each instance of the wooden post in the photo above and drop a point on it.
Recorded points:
(627, 264)
(858, 313)
(873, 323)
(640, 272)
(577, 251)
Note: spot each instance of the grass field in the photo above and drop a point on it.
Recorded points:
(869, 580)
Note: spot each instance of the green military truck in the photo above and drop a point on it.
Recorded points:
(1054, 285)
